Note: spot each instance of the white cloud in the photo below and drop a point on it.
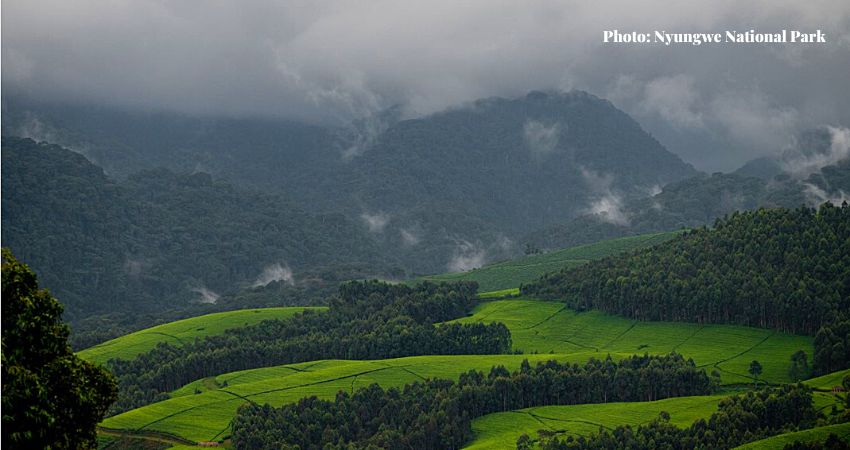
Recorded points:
(275, 272)
(540, 138)
(205, 295)
(606, 204)
(409, 237)
(804, 162)
(467, 256)
(375, 222)
(675, 99)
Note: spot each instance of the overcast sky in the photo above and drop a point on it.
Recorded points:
(331, 61)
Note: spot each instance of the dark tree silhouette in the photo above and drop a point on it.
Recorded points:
(51, 398)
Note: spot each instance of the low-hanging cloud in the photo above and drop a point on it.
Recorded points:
(375, 222)
(336, 60)
(410, 237)
(467, 256)
(816, 195)
(605, 203)
(802, 162)
(276, 272)
(540, 138)
(205, 295)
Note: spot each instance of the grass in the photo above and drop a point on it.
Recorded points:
(812, 435)
(206, 416)
(544, 327)
(536, 326)
(510, 274)
(501, 430)
(828, 381)
(182, 331)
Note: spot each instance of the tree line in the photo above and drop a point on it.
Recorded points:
(786, 269)
(366, 320)
(739, 419)
(438, 413)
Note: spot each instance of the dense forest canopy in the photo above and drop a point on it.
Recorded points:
(160, 240)
(468, 180)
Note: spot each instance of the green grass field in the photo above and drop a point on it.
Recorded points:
(536, 326)
(544, 327)
(828, 381)
(510, 274)
(206, 416)
(501, 430)
(813, 435)
(181, 331)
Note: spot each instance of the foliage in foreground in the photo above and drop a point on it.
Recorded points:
(438, 413)
(51, 398)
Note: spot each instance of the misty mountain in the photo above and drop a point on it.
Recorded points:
(447, 191)
(700, 200)
(159, 239)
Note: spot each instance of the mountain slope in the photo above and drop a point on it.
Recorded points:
(446, 191)
(159, 240)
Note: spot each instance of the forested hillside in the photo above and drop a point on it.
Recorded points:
(448, 190)
(701, 199)
(782, 269)
(161, 240)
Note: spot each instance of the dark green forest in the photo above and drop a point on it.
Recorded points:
(152, 242)
(772, 268)
(438, 413)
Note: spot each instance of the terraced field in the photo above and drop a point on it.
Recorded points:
(181, 331)
(206, 415)
(510, 274)
(501, 430)
(549, 327)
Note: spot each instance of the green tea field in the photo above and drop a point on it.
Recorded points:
(186, 330)
(202, 411)
(549, 327)
(501, 430)
(813, 435)
(510, 274)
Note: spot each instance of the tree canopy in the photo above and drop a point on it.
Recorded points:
(51, 398)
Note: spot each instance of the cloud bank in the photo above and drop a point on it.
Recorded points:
(334, 60)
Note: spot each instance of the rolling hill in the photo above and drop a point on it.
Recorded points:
(203, 409)
(181, 331)
(819, 434)
(501, 430)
